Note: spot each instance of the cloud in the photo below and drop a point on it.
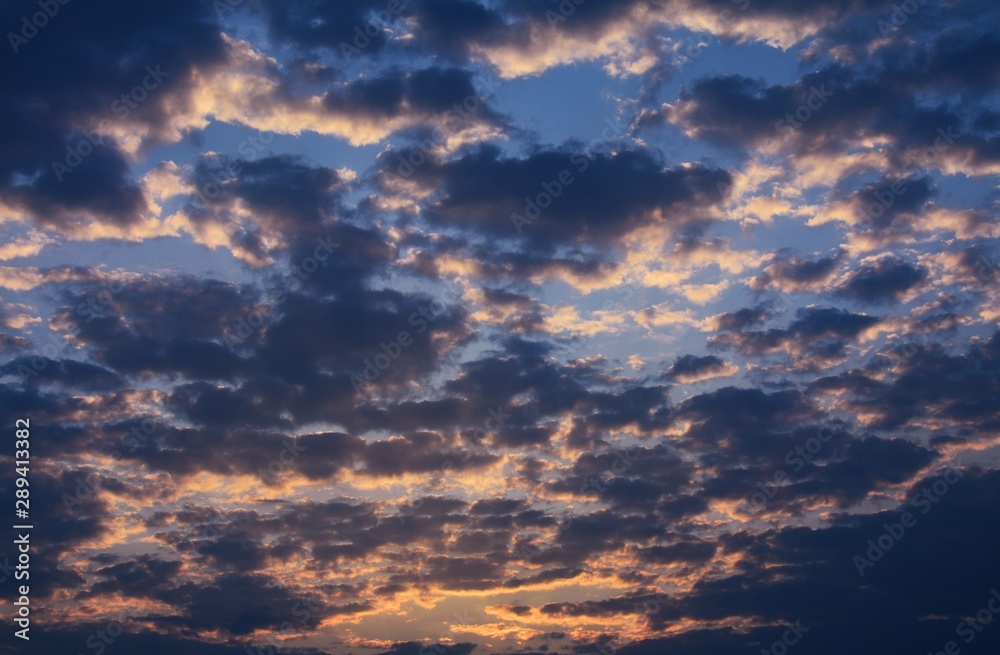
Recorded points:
(370, 371)
(790, 273)
(690, 368)
(882, 280)
(824, 332)
(539, 206)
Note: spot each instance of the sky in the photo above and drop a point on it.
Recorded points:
(501, 327)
